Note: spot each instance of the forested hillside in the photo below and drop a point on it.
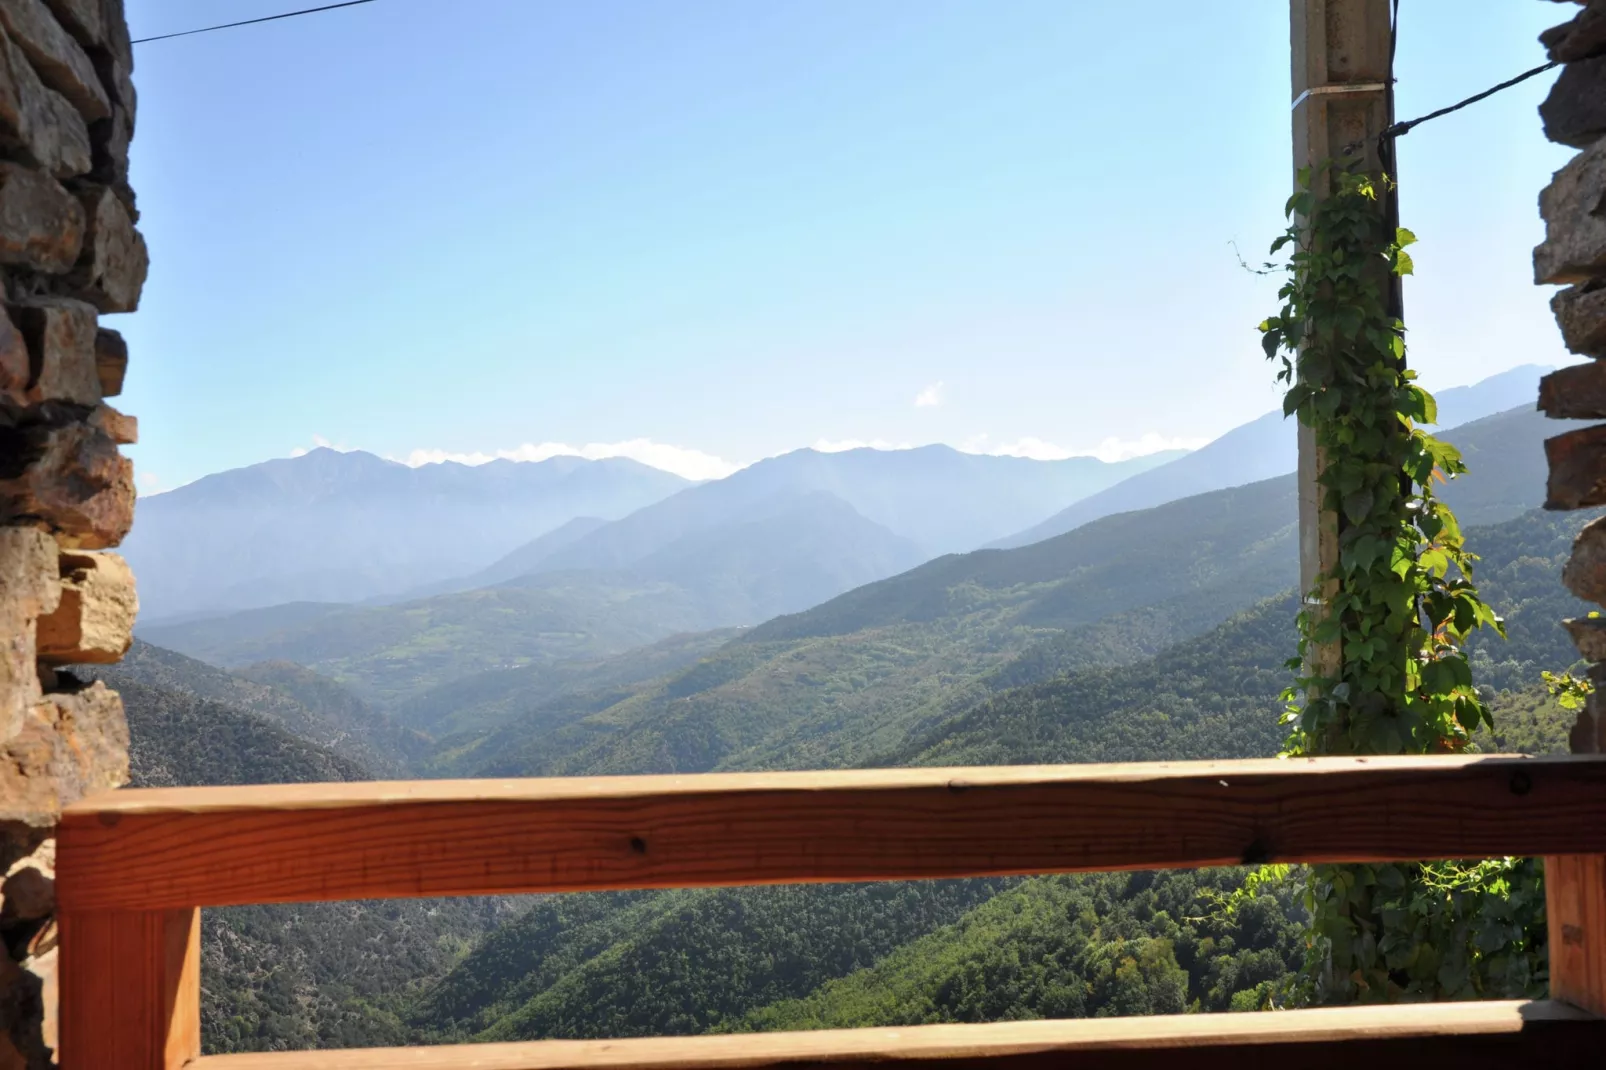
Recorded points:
(296, 976)
(1034, 948)
(1151, 635)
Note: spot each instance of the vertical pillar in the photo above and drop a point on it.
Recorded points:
(130, 989)
(1342, 103)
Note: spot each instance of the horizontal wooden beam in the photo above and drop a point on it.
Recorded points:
(1468, 1036)
(182, 847)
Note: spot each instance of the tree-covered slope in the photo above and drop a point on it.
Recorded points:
(389, 653)
(299, 976)
(1213, 696)
(1068, 947)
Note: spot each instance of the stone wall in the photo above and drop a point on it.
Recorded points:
(1573, 255)
(68, 252)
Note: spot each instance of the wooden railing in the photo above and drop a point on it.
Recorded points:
(135, 867)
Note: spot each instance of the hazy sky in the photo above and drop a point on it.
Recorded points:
(737, 228)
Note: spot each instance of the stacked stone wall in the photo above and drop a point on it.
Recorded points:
(1573, 255)
(69, 251)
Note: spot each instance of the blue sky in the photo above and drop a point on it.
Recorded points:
(707, 232)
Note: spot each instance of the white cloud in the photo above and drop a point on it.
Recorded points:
(930, 397)
(841, 445)
(683, 462)
(1111, 449)
(150, 483)
(319, 442)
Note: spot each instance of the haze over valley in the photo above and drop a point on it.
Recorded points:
(858, 608)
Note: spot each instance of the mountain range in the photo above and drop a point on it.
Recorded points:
(1262, 448)
(1153, 634)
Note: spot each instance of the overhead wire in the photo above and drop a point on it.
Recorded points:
(251, 22)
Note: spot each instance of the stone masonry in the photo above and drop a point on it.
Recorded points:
(1573, 255)
(68, 252)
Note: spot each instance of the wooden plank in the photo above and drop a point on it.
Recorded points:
(1575, 913)
(1342, 93)
(1465, 1035)
(130, 989)
(222, 846)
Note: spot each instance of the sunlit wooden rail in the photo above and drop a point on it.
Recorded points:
(135, 867)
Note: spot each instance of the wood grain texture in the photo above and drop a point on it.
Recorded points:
(130, 989)
(1575, 912)
(223, 846)
(1473, 1035)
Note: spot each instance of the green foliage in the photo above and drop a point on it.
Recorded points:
(1392, 615)
(1569, 691)
(1400, 601)
(1071, 947)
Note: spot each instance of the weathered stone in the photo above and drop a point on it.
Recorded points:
(1577, 392)
(24, 1005)
(1577, 469)
(29, 588)
(1581, 314)
(70, 477)
(1585, 572)
(1575, 111)
(111, 359)
(1583, 37)
(117, 75)
(41, 224)
(109, 139)
(71, 744)
(1588, 735)
(123, 429)
(28, 889)
(1589, 636)
(60, 333)
(81, 18)
(14, 363)
(112, 267)
(116, 30)
(1574, 210)
(94, 624)
(60, 61)
(39, 120)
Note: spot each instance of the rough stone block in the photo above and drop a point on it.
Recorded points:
(1577, 392)
(1589, 636)
(1574, 210)
(60, 61)
(60, 333)
(39, 120)
(123, 428)
(1583, 37)
(94, 624)
(1575, 111)
(1577, 469)
(1581, 314)
(1585, 572)
(29, 588)
(14, 362)
(71, 744)
(68, 476)
(112, 267)
(28, 889)
(109, 140)
(111, 358)
(81, 18)
(27, 1003)
(115, 25)
(41, 224)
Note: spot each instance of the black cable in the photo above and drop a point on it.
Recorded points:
(1405, 128)
(252, 22)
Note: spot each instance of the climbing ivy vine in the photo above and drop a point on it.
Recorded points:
(1398, 603)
